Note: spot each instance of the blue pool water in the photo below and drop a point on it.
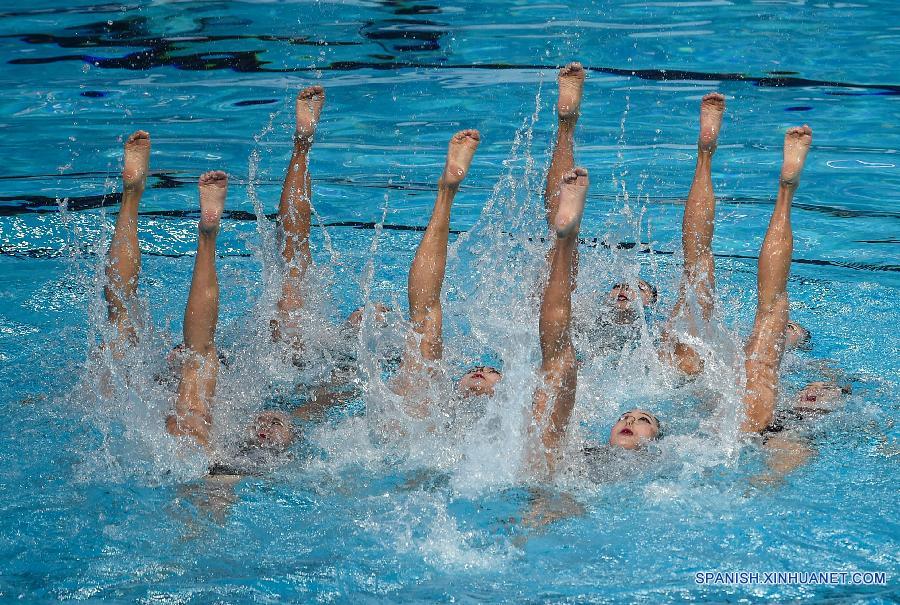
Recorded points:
(95, 503)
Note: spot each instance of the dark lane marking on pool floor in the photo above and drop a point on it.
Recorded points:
(14, 205)
(158, 51)
(248, 62)
(53, 253)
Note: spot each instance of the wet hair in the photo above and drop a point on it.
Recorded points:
(292, 425)
(182, 349)
(659, 426)
(643, 285)
(804, 343)
(654, 294)
(485, 368)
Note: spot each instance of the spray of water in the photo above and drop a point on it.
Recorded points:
(495, 274)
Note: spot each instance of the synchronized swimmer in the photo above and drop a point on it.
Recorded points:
(421, 380)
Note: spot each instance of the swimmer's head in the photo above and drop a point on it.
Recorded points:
(271, 430)
(354, 320)
(821, 397)
(634, 429)
(480, 380)
(796, 337)
(623, 297)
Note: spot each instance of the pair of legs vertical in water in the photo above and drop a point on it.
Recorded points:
(765, 346)
(200, 364)
(426, 274)
(564, 196)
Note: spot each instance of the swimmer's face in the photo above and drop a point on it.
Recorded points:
(354, 320)
(480, 380)
(634, 429)
(271, 430)
(622, 298)
(795, 336)
(820, 396)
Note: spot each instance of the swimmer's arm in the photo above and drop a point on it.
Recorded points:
(215, 497)
(322, 399)
(545, 509)
(786, 453)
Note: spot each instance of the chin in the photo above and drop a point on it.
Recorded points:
(624, 443)
(476, 392)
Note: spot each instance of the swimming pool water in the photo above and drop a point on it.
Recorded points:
(94, 507)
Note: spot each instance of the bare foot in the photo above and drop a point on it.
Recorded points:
(213, 186)
(572, 195)
(137, 160)
(459, 156)
(309, 105)
(712, 106)
(796, 146)
(571, 84)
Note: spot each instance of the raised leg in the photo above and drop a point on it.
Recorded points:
(765, 347)
(697, 225)
(568, 106)
(123, 260)
(201, 365)
(554, 400)
(294, 209)
(426, 274)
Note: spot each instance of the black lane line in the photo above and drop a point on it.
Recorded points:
(15, 205)
(642, 248)
(157, 54)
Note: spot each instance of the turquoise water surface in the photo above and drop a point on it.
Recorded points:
(98, 505)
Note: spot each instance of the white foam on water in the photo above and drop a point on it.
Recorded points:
(495, 274)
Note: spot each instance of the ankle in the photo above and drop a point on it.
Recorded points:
(134, 186)
(567, 122)
(449, 186)
(790, 183)
(302, 140)
(208, 232)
